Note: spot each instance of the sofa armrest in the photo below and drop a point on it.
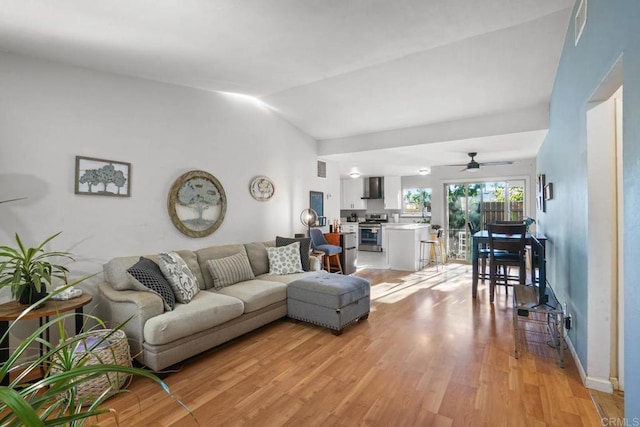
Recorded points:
(131, 308)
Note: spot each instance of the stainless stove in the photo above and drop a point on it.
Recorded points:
(371, 232)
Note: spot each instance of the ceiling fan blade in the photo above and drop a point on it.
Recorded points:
(506, 162)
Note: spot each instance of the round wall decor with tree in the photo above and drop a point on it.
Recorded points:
(197, 203)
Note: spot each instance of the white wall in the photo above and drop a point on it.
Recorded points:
(49, 113)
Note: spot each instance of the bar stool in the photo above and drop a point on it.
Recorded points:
(425, 250)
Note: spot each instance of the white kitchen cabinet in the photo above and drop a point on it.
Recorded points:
(352, 191)
(393, 192)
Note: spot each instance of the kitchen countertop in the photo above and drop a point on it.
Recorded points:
(405, 226)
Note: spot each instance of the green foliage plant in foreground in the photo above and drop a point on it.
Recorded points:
(53, 400)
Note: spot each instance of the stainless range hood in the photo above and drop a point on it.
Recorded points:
(373, 188)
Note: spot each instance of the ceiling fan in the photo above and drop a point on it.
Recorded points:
(474, 166)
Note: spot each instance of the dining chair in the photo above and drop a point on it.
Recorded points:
(528, 248)
(483, 252)
(506, 249)
(319, 243)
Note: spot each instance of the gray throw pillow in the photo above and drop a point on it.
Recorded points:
(180, 278)
(305, 248)
(230, 270)
(149, 274)
(285, 259)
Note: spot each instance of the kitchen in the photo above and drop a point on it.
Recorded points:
(358, 209)
(371, 208)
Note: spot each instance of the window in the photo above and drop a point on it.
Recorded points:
(480, 203)
(416, 202)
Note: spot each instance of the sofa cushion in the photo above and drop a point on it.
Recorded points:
(115, 271)
(149, 274)
(305, 248)
(214, 252)
(256, 294)
(285, 259)
(288, 278)
(229, 270)
(180, 278)
(206, 310)
(257, 253)
(191, 260)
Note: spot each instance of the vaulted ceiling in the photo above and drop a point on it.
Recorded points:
(343, 71)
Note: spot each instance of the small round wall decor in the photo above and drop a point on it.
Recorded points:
(197, 203)
(262, 188)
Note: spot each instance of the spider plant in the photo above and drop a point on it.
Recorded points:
(28, 270)
(53, 400)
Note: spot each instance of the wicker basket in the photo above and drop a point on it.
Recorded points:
(105, 346)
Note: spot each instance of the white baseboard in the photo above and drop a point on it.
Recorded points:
(600, 384)
(576, 359)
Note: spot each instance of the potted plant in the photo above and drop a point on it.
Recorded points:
(55, 399)
(528, 222)
(28, 270)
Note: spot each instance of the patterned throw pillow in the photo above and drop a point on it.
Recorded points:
(229, 270)
(305, 248)
(285, 259)
(149, 274)
(180, 277)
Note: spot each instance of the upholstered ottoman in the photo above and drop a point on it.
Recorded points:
(330, 300)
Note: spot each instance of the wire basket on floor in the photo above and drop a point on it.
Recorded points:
(102, 346)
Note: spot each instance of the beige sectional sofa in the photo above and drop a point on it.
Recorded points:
(160, 338)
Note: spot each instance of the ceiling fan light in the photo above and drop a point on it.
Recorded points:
(424, 171)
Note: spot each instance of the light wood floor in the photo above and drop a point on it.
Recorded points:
(428, 355)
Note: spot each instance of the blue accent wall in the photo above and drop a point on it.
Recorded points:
(612, 31)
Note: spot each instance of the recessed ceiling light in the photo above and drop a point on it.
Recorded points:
(424, 171)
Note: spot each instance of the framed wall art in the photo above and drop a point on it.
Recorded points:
(262, 188)
(548, 191)
(99, 177)
(316, 202)
(541, 196)
(197, 203)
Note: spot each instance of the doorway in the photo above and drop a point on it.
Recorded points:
(605, 369)
(479, 203)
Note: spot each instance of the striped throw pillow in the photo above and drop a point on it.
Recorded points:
(232, 269)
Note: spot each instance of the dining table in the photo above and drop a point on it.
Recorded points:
(481, 239)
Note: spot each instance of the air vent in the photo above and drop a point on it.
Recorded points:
(581, 19)
(322, 169)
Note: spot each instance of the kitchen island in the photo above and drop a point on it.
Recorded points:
(402, 244)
